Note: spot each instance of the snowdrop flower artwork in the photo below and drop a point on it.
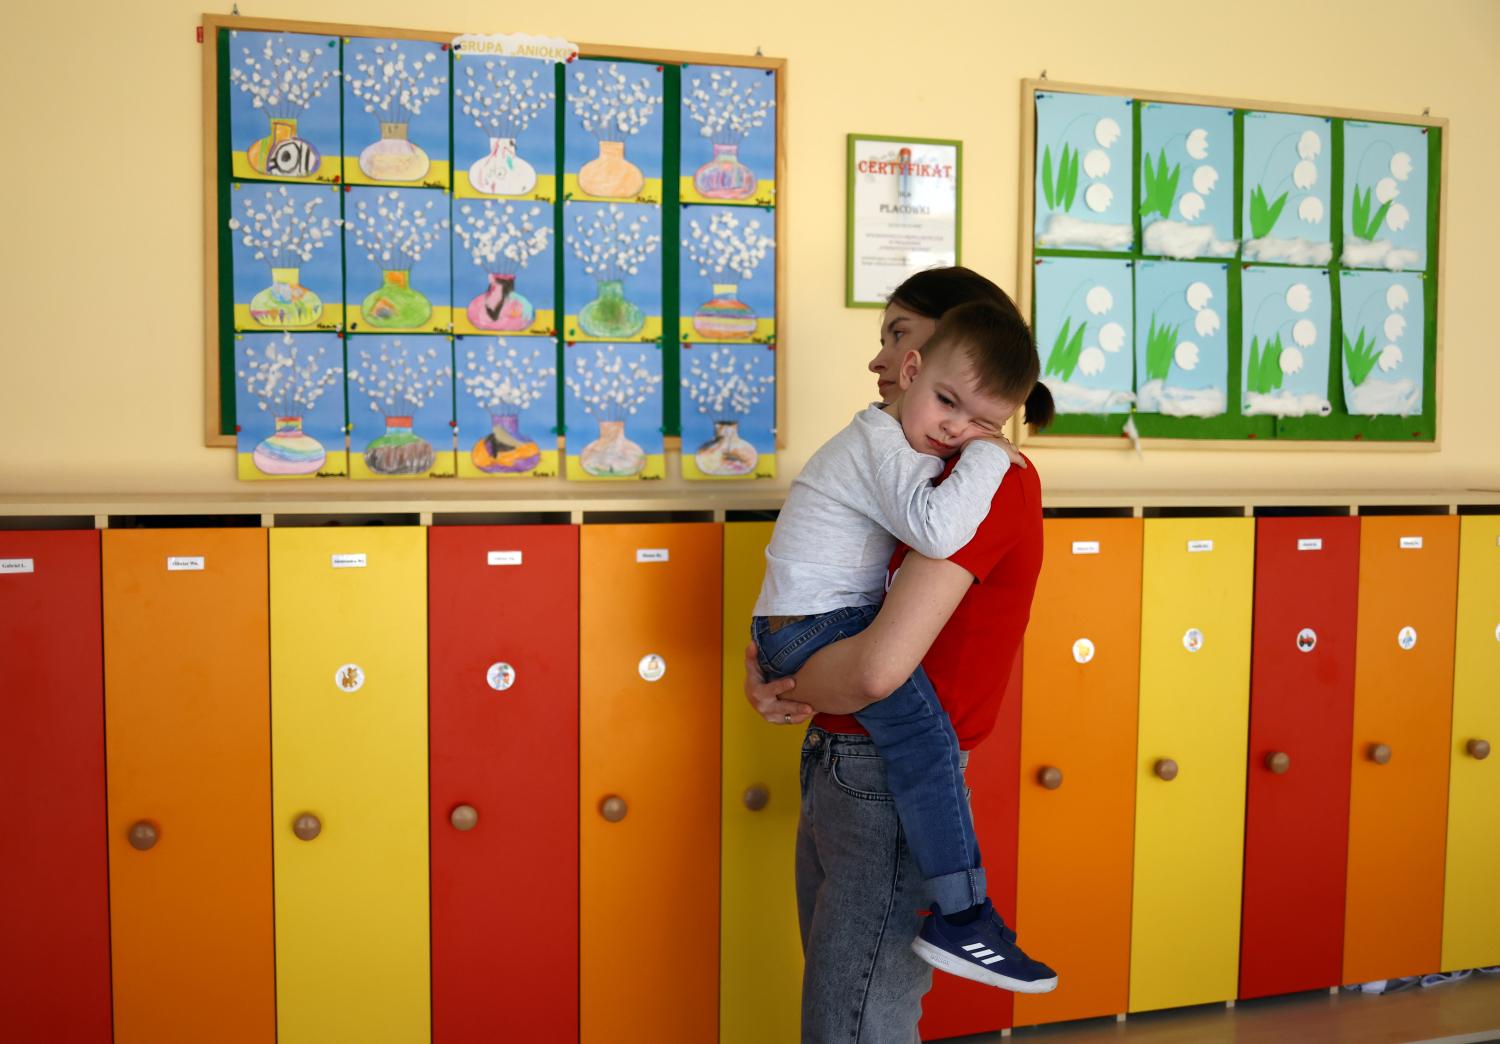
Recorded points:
(1083, 178)
(1288, 165)
(1385, 196)
(1383, 342)
(1083, 330)
(1182, 346)
(1187, 189)
(1288, 316)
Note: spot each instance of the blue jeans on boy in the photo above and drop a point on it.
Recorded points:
(915, 740)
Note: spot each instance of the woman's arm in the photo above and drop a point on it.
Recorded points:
(849, 675)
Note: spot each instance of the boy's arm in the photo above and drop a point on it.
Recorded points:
(849, 675)
(935, 521)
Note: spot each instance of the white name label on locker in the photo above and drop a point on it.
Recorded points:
(653, 554)
(1411, 543)
(1200, 545)
(504, 558)
(17, 565)
(184, 563)
(1310, 544)
(1085, 547)
(348, 561)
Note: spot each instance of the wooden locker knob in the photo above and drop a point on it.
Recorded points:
(307, 826)
(1279, 762)
(464, 817)
(143, 836)
(1478, 749)
(757, 796)
(613, 808)
(1380, 753)
(1165, 769)
(1050, 777)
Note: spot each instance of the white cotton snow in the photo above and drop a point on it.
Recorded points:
(1064, 231)
(1286, 403)
(1072, 398)
(1288, 251)
(1361, 253)
(1183, 242)
(1159, 397)
(1401, 397)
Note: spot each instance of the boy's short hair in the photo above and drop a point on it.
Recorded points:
(997, 344)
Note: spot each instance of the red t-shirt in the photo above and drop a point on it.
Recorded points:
(971, 660)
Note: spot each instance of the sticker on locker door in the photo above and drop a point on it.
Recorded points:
(1310, 544)
(500, 676)
(349, 678)
(1411, 543)
(1085, 547)
(652, 667)
(1195, 546)
(1083, 650)
(349, 561)
(653, 554)
(17, 565)
(499, 558)
(1192, 641)
(1407, 638)
(184, 563)
(1307, 640)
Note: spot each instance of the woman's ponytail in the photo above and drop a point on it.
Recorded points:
(1039, 406)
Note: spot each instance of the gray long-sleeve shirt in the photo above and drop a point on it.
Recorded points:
(860, 493)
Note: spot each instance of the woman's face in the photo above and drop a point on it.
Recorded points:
(901, 330)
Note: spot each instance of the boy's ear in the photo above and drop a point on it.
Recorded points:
(911, 365)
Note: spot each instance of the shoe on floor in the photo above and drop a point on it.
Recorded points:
(984, 951)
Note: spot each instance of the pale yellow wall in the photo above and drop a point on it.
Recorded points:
(100, 386)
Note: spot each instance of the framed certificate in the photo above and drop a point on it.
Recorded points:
(905, 206)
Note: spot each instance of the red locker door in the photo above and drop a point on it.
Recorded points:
(54, 877)
(1301, 717)
(956, 1006)
(504, 782)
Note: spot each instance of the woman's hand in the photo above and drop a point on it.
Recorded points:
(1006, 445)
(765, 696)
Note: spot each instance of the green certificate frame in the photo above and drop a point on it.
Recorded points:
(904, 208)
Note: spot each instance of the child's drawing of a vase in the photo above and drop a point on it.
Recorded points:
(289, 450)
(610, 175)
(724, 176)
(394, 157)
(400, 451)
(725, 317)
(281, 154)
(501, 306)
(395, 304)
(505, 451)
(726, 453)
(610, 314)
(285, 302)
(502, 172)
(612, 455)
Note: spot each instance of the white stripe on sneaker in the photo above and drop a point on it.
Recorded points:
(981, 953)
(974, 946)
(993, 959)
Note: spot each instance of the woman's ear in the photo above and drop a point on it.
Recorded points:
(911, 365)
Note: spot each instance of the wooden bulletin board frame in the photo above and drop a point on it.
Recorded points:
(215, 122)
(1095, 433)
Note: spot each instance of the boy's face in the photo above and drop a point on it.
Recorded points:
(942, 407)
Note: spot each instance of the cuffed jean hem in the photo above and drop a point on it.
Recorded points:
(956, 892)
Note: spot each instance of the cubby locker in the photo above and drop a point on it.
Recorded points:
(1077, 778)
(1403, 712)
(760, 969)
(956, 1006)
(349, 784)
(1471, 911)
(651, 598)
(503, 641)
(54, 878)
(187, 723)
(1196, 589)
(1301, 714)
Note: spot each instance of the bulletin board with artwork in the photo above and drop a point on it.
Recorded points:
(1215, 269)
(432, 255)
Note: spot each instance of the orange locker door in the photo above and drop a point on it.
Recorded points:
(54, 874)
(187, 715)
(650, 603)
(1077, 778)
(503, 702)
(1403, 707)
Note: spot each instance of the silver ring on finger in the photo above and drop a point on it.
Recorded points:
(787, 718)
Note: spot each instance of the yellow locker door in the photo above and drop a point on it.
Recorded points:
(349, 784)
(760, 974)
(1197, 583)
(1471, 916)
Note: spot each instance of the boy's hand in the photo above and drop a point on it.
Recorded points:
(1006, 445)
(765, 696)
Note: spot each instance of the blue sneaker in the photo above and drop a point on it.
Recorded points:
(984, 951)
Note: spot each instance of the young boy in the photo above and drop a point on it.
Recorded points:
(866, 488)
